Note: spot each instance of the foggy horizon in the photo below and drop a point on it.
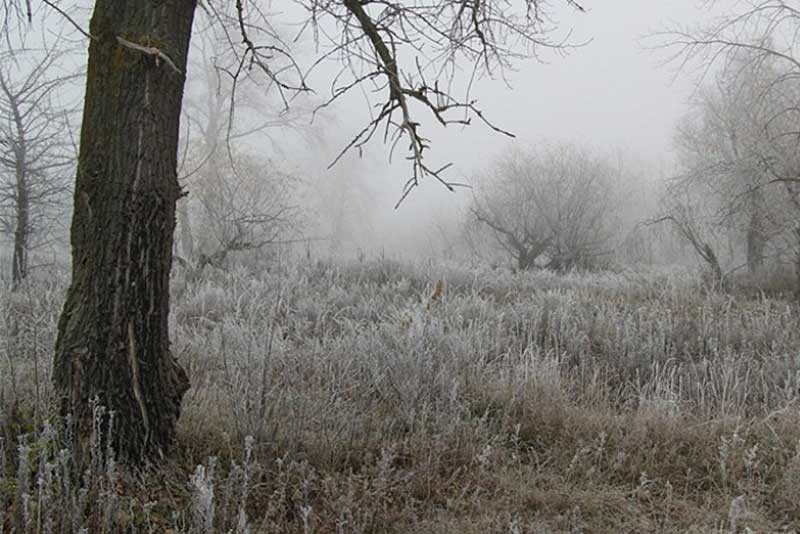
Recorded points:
(612, 94)
(213, 320)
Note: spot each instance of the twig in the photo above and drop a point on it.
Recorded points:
(150, 51)
(64, 14)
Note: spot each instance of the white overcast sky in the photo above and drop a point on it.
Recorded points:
(612, 94)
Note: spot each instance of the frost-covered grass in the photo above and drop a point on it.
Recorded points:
(341, 398)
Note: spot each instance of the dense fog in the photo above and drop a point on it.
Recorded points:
(390, 266)
(261, 170)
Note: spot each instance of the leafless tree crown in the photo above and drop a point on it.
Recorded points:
(408, 53)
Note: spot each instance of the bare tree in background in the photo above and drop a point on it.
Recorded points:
(37, 154)
(113, 341)
(341, 202)
(763, 32)
(505, 202)
(722, 147)
(695, 220)
(234, 200)
(552, 208)
(245, 205)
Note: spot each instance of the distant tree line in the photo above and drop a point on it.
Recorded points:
(737, 191)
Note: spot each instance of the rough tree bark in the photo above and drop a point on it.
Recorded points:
(113, 342)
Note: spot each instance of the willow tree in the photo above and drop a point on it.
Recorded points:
(113, 341)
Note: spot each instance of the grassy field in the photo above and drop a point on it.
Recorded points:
(344, 398)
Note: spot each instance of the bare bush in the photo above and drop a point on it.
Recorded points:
(550, 208)
(241, 204)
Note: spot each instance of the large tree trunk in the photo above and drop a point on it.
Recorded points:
(113, 342)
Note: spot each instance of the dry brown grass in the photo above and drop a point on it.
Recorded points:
(336, 399)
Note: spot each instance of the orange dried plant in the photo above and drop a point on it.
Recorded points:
(437, 293)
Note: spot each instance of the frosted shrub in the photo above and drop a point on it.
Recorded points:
(23, 482)
(336, 398)
(203, 498)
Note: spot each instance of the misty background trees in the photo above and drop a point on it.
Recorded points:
(243, 302)
(244, 189)
(113, 343)
(551, 208)
(731, 188)
(249, 187)
(236, 195)
(37, 151)
(737, 148)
